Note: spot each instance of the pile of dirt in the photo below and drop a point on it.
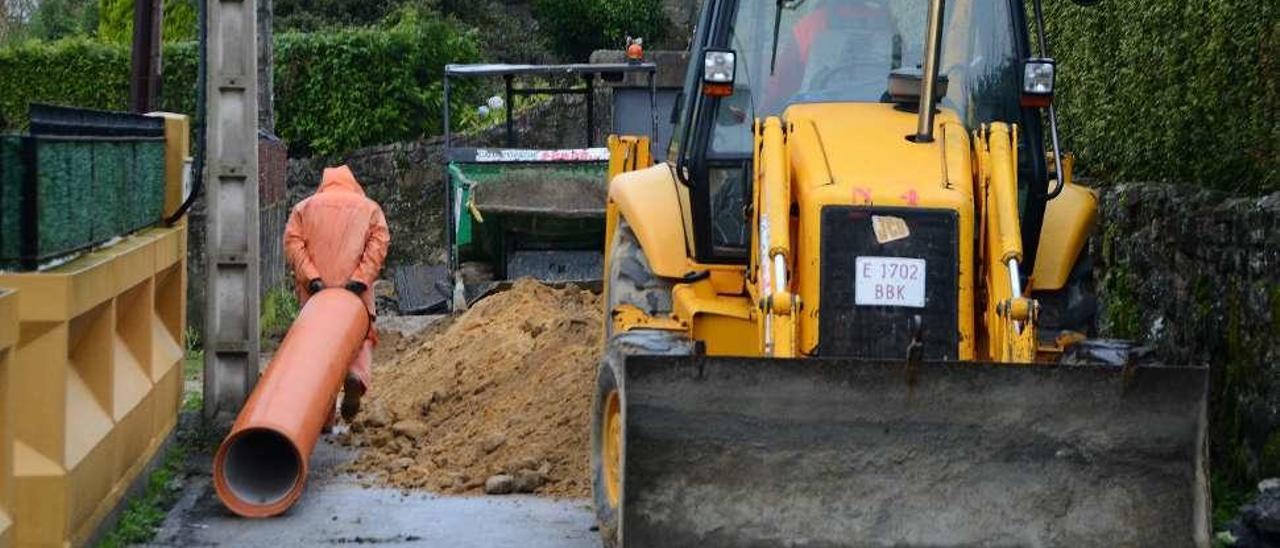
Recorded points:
(505, 390)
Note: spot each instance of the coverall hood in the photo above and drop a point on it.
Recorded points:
(340, 179)
(337, 235)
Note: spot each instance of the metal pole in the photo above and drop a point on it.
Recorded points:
(932, 55)
(1053, 113)
(511, 127)
(449, 228)
(1044, 44)
(653, 110)
(447, 130)
(591, 109)
(138, 58)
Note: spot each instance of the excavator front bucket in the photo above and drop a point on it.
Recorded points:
(834, 452)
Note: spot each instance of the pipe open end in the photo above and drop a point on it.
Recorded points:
(261, 468)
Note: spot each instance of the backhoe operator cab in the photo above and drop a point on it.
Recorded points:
(844, 51)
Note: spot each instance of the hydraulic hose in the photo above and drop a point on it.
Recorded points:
(197, 184)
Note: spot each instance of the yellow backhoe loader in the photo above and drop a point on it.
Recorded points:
(850, 308)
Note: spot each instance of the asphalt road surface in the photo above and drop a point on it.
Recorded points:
(336, 510)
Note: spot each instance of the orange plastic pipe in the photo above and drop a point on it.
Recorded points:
(261, 468)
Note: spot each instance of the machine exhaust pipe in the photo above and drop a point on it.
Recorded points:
(932, 57)
(261, 468)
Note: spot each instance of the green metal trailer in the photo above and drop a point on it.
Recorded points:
(524, 212)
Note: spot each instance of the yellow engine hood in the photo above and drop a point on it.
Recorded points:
(859, 153)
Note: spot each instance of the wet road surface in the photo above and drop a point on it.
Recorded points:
(336, 510)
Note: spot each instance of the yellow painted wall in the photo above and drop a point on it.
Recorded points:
(8, 342)
(94, 361)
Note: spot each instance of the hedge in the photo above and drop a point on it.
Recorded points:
(579, 27)
(335, 91)
(341, 90)
(1171, 90)
(315, 15)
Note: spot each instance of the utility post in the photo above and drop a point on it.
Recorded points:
(231, 336)
(266, 66)
(144, 81)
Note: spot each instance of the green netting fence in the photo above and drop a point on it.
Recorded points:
(61, 194)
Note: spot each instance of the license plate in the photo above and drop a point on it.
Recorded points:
(889, 281)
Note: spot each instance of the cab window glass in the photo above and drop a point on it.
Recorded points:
(729, 191)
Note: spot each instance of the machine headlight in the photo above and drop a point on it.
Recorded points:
(718, 72)
(1038, 77)
(720, 66)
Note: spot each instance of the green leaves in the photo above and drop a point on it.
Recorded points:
(335, 91)
(341, 90)
(115, 21)
(1171, 90)
(315, 15)
(75, 71)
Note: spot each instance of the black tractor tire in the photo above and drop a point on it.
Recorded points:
(631, 280)
(611, 378)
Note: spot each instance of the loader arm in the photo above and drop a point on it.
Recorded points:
(778, 303)
(1009, 316)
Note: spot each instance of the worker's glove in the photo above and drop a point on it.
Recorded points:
(315, 286)
(356, 287)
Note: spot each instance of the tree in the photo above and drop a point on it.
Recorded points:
(55, 19)
(115, 22)
(48, 19)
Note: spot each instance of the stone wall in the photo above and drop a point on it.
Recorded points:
(407, 179)
(1197, 275)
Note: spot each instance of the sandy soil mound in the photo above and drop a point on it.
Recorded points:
(503, 390)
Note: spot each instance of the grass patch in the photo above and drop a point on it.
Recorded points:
(193, 362)
(279, 309)
(1228, 497)
(193, 371)
(145, 513)
(193, 402)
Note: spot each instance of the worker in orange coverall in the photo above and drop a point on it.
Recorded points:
(338, 238)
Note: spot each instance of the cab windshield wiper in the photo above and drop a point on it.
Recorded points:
(777, 27)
